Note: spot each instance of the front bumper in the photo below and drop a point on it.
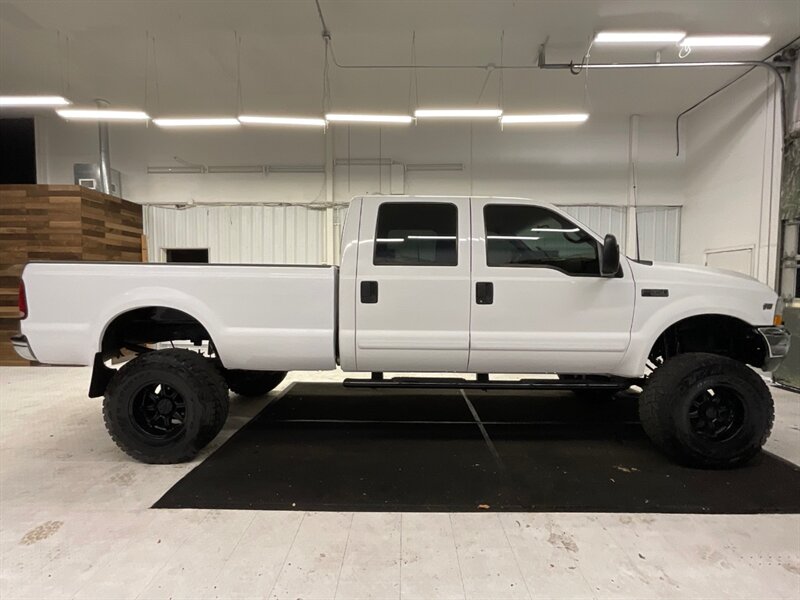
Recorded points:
(778, 340)
(22, 347)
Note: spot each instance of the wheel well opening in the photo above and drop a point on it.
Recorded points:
(715, 334)
(134, 329)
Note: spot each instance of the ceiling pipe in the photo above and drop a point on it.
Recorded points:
(326, 35)
(773, 67)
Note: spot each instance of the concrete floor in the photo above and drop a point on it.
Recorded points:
(75, 523)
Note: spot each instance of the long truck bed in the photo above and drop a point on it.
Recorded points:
(259, 316)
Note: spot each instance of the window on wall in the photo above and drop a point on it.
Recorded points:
(17, 151)
(519, 235)
(187, 255)
(416, 233)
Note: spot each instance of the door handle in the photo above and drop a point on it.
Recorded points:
(369, 292)
(484, 292)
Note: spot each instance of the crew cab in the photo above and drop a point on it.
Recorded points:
(468, 285)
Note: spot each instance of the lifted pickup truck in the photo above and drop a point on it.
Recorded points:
(426, 284)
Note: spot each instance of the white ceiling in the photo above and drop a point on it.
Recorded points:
(107, 56)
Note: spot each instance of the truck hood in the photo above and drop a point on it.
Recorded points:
(672, 270)
(713, 290)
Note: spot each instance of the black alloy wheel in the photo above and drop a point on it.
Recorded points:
(717, 414)
(159, 411)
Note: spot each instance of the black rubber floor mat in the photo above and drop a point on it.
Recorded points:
(326, 447)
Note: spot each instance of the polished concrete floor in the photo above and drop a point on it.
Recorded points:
(75, 522)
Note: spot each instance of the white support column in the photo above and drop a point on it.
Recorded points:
(330, 242)
(631, 242)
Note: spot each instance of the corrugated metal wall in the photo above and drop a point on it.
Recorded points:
(296, 234)
(660, 232)
(602, 219)
(239, 234)
(659, 228)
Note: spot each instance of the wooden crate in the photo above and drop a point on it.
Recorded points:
(58, 222)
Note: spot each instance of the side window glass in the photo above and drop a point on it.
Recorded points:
(416, 233)
(519, 235)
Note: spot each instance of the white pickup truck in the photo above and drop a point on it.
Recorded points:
(427, 284)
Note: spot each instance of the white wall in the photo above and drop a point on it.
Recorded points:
(732, 146)
(584, 164)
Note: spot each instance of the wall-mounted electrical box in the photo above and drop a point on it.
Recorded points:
(88, 176)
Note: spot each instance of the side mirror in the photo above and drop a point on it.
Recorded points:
(609, 257)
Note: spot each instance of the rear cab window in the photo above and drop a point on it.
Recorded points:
(416, 234)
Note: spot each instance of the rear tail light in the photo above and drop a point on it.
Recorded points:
(22, 301)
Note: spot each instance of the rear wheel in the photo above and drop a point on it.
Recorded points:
(706, 410)
(252, 383)
(165, 406)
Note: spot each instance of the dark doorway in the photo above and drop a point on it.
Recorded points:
(17, 151)
(187, 255)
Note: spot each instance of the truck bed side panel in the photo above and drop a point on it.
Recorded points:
(259, 317)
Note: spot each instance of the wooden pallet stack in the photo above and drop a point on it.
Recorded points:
(58, 222)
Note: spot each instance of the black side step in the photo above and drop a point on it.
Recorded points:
(519, 384)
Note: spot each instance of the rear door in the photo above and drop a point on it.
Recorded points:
(539, 303)
(413, 285)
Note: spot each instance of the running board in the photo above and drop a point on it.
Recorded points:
(486, 384)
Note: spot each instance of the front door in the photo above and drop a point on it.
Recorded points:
(413, 285)
(539, 303)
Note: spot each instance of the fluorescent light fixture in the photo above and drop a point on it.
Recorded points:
(198, 122)
(725, 41)
(298, 121)
(511, 237)
(355, 118)
(563, 118)
(390, 240)
(555, 230)
(431, 237)
(638, 37)
(102, 114)
(458, 113)
(21, 101)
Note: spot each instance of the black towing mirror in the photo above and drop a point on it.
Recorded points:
(609, 258)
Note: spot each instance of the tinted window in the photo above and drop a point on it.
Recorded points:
(531, 236)
(416, 233)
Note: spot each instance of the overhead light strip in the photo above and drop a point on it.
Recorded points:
(33, 101)
(369, 118)
(286, 121)
(102, 114)
(531, 119)
(198, 122)
(458, 113)
(638, 37)
(681, 38)
(726, 41)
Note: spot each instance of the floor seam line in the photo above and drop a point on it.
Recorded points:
(516, 558)
(344, 555)
(458, 558)
(285, 558)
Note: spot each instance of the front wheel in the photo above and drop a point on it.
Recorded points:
(706, 410)
(252, 383)
(165, 406)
